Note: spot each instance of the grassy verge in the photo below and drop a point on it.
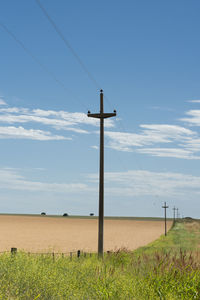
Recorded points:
(169, 268)
(184, 235)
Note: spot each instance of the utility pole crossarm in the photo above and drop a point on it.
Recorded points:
(102, 115)
(97, 116)
(165, 206)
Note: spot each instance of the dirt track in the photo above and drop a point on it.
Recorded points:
(41, 234)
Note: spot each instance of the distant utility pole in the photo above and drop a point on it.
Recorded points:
(101, 116)
(165, 207)
(174, 217)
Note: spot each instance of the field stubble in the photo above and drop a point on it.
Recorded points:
(46, 234)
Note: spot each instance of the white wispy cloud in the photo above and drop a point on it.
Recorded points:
(95, 147)
(146, 183)
(149, 135)
(193, 144)
(60, 120)
(12, 180)
(193, 118)
(170, 152)
(2, 102)
(33, 134)
(161, 140)
(51, 119)
(127, 184)
(194, 101)
(167, 131)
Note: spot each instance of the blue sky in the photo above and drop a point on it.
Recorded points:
(145, 56)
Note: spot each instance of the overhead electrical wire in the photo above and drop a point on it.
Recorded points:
(97, 85)
(21, 44)
(85, 69)
(76, 56)
(50, 73)
(69, 46)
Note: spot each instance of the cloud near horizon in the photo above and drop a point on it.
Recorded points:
(147, 183)
(132, 183)
(11, 179)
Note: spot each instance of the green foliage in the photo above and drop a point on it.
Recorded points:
(184, 235)
(169, 268)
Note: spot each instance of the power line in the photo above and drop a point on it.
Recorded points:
(69, 46)
(85, 69)
(28, 52)
(97, 85)
(73, 52)
(21, 44)
(51, 74)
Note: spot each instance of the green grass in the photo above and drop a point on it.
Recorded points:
(184, 235)
(168, 268)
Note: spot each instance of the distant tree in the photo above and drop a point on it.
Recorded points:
(91, 214)
(188, 219)
(65, 215)
(43, 214)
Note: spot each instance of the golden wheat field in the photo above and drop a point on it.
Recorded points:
(45, 234)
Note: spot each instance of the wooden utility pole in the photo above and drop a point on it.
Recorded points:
(101, 116)
(174, 216)
(165, 207)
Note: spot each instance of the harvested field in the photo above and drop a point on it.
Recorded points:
(45, 234)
